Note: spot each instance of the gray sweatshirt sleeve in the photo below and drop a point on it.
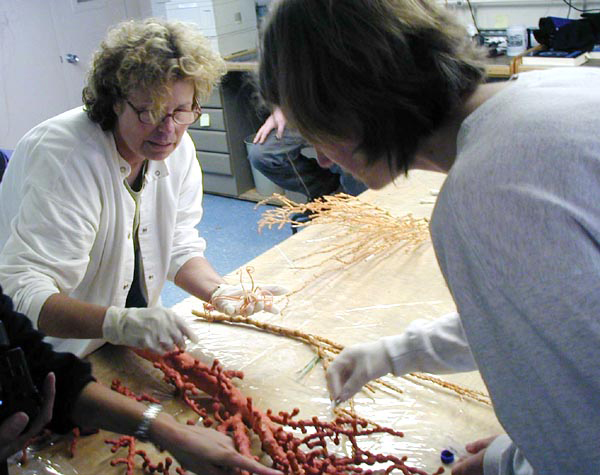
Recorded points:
(438, 347)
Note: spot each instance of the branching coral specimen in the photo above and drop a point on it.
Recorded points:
(366, 229)
(129, 459)
(118, 387)
(249, 296)
(308, 454)
(363, 231)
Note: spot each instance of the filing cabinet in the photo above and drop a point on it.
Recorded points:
(227, 118)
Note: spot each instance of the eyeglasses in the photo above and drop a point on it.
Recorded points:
(179, 117)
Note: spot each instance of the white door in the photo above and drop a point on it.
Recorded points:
(80, 26)
(36, 79)
(31, 81)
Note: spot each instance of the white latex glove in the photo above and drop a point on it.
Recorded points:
(354, 367)
(156, 328)
(239, 300)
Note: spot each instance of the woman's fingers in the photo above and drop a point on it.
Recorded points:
(12, 427)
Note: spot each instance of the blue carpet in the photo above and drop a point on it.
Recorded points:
(230, 227)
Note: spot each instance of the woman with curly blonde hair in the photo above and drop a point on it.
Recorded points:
(104, 199)
(148, 56)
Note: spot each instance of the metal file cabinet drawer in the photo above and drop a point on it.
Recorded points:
(212, 162)
(220, 184)
(210, 140)
(220, 142)
(212, 117)
(214, 100)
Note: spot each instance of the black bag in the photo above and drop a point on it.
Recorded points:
(3, 163)
(17, 391)
(574, 35)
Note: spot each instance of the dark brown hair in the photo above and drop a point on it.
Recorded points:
(385, 72)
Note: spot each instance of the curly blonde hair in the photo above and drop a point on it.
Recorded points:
(148, 55)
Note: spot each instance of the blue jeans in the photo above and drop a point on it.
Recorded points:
(282, 162)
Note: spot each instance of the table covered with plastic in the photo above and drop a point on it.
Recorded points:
(378, 295)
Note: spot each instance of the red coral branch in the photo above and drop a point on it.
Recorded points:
(236, 414)
(118, 386)
(129, 460)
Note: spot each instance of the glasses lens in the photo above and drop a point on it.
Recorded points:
(146, 117)
(185, 117)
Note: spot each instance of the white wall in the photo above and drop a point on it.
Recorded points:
(36, 83)
(29, 69)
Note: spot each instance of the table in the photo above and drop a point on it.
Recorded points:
(496, 67)
(377, 297)
(519, 67)
(499, 67)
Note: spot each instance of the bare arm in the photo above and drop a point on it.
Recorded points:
(102, 408)
(66, 317)
(155, 328)
(198, 277)
(197, 449)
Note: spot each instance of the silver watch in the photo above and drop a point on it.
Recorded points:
(142, 431)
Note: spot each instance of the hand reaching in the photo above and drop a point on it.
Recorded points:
(155, 328)
(354, 367)
(209, 452)
(473, 464)
(275, 121)
(239, 300)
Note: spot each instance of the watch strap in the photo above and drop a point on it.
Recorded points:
(143, 430)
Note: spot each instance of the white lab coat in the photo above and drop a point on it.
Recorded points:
(66, 219)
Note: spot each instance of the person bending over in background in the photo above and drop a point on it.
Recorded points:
(98, 206)
(277, 154)
(383, 86)
(71, 397)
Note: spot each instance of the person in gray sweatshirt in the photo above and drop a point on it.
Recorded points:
(381, 87)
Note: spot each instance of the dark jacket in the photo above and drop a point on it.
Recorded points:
(72, 374)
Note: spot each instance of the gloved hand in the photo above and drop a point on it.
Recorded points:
(354, 367)
(156, 328)
(240, 300)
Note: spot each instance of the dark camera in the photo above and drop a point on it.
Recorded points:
(17, 391)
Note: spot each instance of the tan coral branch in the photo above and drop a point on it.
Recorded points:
(327, 349)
